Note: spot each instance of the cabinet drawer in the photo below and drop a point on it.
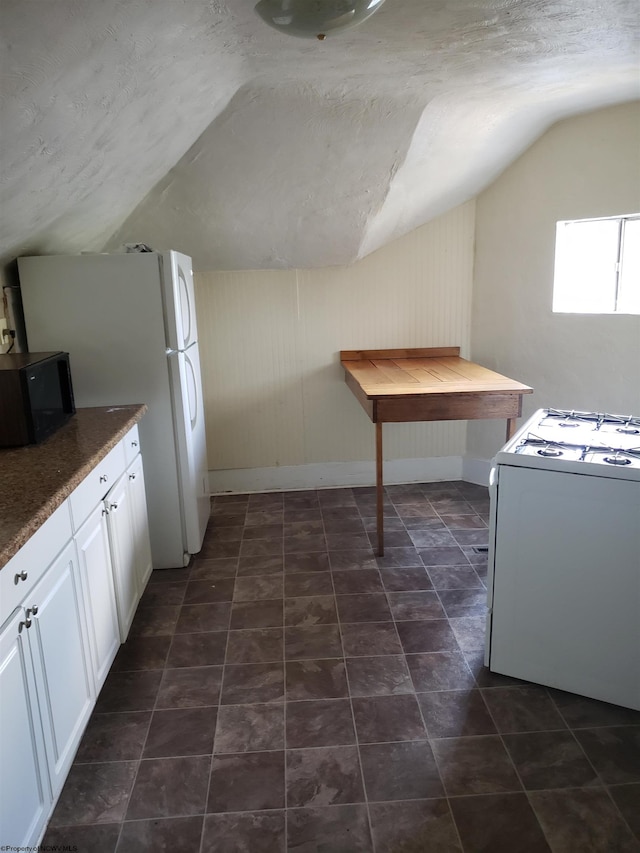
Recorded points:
(92, 489)
(33, 559)
(131, 443)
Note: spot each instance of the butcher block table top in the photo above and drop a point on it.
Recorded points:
(426, 384)
(434, 384)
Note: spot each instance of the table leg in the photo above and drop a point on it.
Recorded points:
(511, 427)
(379, 492)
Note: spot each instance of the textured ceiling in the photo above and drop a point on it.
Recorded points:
(190, 124)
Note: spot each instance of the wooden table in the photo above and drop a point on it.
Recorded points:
(435, 384)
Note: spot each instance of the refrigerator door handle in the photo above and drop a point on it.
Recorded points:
(191, 390)
(186, 309)
(178, 295)
(189, 430)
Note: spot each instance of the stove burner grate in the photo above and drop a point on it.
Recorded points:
(626, 425)
(586, 452)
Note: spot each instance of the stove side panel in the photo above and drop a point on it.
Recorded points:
(566, 582)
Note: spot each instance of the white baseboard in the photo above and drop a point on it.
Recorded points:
(476, 470)
(325, 475)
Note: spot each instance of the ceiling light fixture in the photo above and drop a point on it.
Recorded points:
(315, 18)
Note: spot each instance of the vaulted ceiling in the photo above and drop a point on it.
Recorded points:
(190, 124)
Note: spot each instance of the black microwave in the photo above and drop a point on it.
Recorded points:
(36, 396)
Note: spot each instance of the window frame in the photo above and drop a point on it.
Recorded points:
(560, 290)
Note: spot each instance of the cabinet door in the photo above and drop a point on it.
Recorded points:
(123, 553)
(25, 797)
(96, 574)
(138, 499)
(61, 662)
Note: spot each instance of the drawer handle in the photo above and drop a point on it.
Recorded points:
(25, 624)
(132, 476)
(103, 478)
(113, 506)
(22, 576)
(32, 611)
(134, 444)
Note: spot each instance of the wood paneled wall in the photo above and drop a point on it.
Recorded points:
(270, 342)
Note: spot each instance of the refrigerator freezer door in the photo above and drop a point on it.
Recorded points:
(186, 389)
(179, 301)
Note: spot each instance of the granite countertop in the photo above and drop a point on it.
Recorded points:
(36, 479)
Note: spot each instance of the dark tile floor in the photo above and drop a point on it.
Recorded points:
(290, 691)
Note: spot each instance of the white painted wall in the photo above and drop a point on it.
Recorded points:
(582, 167)
(274, 389)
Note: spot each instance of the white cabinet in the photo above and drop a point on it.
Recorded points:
(116, 492)
(67, 599)
(123, 552)
(131, 444)
(25, 569)
(126, 509)
(48, 694)
(64, 680)
(25, 791)
(138, 502)
(25, 796)
(96, 574)
(84, 499)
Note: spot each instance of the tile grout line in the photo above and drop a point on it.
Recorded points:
(353, 721)
(215, 731)
(430, 739)
(285, 775)
(139, 763)
(426, 728)
(513, 764)
(438, 771)
(455, 823)
(606, 787)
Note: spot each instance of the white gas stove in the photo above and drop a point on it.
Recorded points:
(564, 555)
(567, 440)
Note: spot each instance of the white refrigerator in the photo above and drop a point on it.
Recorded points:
(128, 322)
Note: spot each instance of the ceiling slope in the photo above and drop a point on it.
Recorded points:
(287, 176)
(98, 100)
(190, 124)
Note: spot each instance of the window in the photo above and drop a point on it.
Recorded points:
(597, 269)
